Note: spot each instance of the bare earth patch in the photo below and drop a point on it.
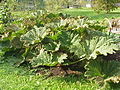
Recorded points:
(59, 71)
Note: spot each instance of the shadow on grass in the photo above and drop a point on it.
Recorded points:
(73, 79)
(115, 86)
(114, 13)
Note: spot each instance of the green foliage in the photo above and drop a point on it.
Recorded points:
(58, 4)
(56, 39)
(5, 14)
(12, 4)
(103, 71)
(71, 37)
(104, 5)
(97, 43)
(43, 58)
(52, 5)
(34, 36)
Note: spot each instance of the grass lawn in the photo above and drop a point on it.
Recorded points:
(12, 78)
(91, 14)
(78, 12)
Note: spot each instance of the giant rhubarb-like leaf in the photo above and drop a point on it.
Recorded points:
(96, 43)
(106, 70)
(48, 59)
(34, 36)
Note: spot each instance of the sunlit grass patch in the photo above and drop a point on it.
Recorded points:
(13, 78)
(91, 13)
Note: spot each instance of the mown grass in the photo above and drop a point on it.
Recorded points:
(77, 12)
(91, 13)
(13, 78)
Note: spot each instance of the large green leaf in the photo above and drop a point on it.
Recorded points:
(4, 47)
(61, 57)
(52, 46)
(96, 43)
(42, 59)
(14, 60)
(106, 70)
(48, 59)
(34, 36)
(68, 38)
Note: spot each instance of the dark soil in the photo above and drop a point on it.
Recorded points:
(115, 56)
(59, 71)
